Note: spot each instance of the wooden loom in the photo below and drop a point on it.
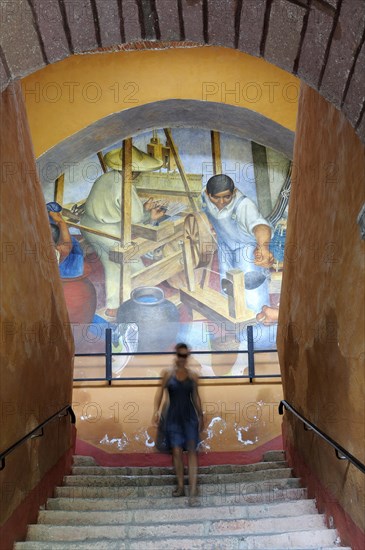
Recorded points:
(137, 240)
(193, 255)
(198, 249)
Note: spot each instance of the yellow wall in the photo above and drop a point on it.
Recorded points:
(65, 97)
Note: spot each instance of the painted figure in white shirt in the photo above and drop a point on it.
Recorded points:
(243, 235)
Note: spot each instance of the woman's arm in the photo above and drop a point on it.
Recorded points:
(158, 397)
(197, 401)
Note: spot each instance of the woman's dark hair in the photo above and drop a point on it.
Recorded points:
(219, 183)
(55, 230)
(180, 346)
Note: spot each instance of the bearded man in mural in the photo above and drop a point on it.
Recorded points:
(243, 237)
(103, 212)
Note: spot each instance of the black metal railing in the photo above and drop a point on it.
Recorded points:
(341, 453)
(108, 354)
(37, 432)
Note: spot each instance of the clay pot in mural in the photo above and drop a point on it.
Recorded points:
(80, 297)
(156, 317)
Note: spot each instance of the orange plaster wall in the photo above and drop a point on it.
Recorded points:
(36, 343)
(65, 97)
(321, 341)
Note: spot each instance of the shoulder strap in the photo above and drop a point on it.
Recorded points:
(204, 201)
(238, 202)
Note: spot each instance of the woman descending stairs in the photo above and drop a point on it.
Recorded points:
(253, 506)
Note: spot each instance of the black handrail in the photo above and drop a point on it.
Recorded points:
(37, 432)
(108, 354)
(341, 453)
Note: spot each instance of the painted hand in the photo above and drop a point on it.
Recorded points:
(56, 216)
(263, 256)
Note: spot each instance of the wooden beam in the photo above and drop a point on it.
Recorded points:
(180, 167)
(59, 188)
(102, 162)
(188, 264)
(214, 306)
(158, 271)
(94, 231)
(216, 152)
(150, 192)
(126, 218)
(139, 247)
(236, 302)
(262, 178)
(153, 232)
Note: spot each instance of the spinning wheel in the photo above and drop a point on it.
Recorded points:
(199, 239)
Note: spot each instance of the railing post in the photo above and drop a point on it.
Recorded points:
(251, 356)
(108, 355)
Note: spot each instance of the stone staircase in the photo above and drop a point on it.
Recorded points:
(254, 506)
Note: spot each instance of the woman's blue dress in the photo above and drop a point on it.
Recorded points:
(182, 422)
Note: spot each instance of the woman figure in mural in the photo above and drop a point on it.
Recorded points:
(243, 237)
(184, 419)
(103, 212)
(68, 250)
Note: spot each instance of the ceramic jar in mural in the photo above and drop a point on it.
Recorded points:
(80, 297)
(156, 317)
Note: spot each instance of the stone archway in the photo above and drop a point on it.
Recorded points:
(320, 41)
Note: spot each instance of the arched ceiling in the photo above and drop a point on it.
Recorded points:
(320, 41)
(164, 114)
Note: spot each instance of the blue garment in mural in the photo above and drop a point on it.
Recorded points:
(277, 245)
(73, 264)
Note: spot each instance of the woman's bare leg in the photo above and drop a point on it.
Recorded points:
(193, 472)
(179, 467)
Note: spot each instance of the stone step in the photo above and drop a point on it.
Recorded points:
(300, 540)
(224, 543)
(150, 480)
(206, 543)
(247, 527)
(80, 460)
(222, 490)
(148, 471)
(271, 456)
(253, 511)
(84, 504)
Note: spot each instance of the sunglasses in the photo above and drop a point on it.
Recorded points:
(182, 355)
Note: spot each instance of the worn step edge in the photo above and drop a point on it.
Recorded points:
(274, 456)
(319, 538)
(157, 492)
(268, 456)
(207, 513)
(119, 480)
(280, 495)
(204, 543)
(157, 471)
(251, 527)
(225, 543)
(95, 504)
(83, 460)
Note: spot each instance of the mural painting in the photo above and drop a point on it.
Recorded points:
(190, 248)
